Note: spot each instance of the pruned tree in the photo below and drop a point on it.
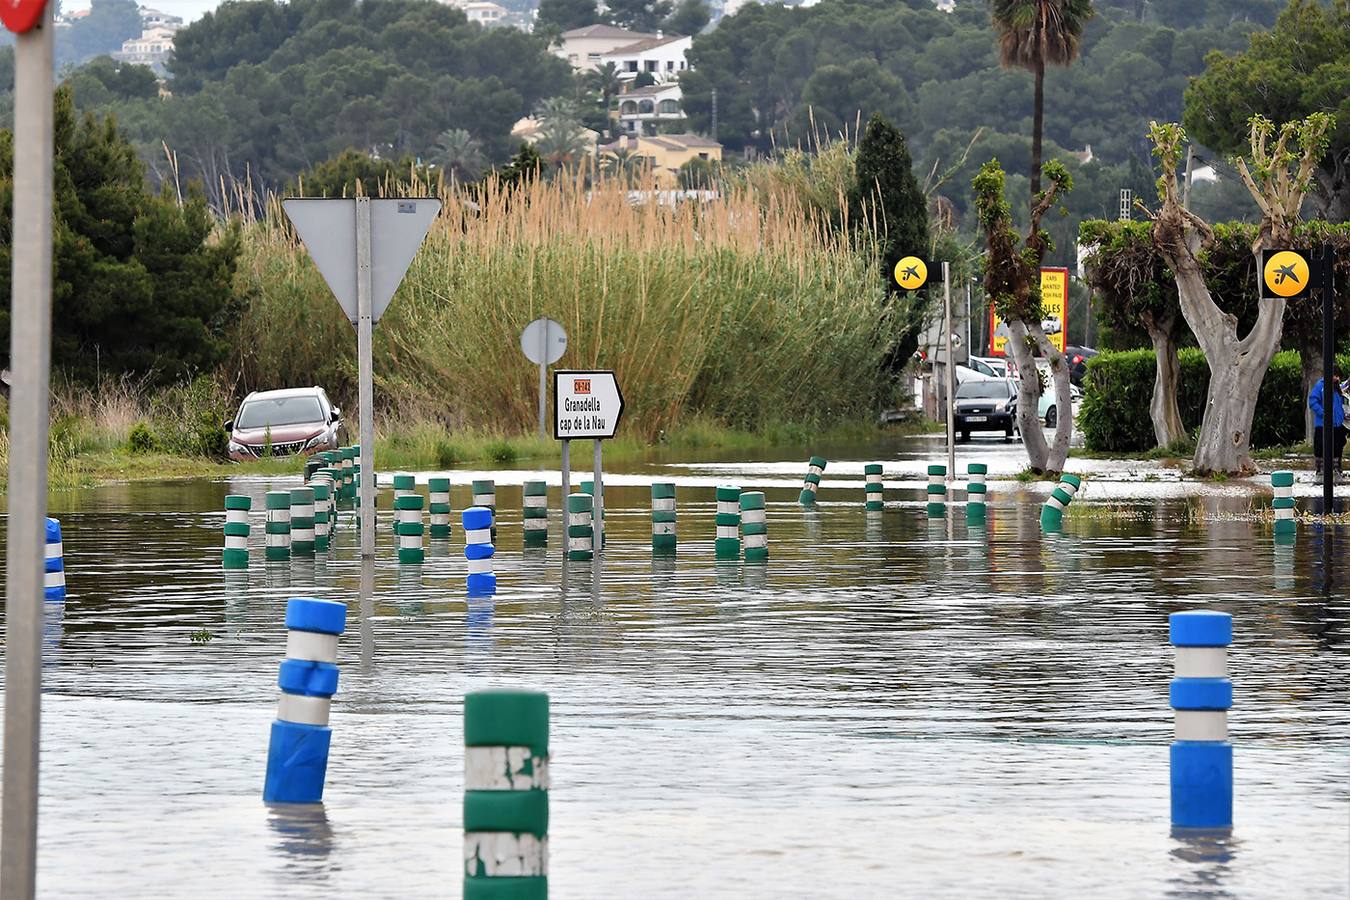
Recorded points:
(1012, 281)
(1278, 175)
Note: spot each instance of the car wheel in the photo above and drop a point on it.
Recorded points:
(1051, 417)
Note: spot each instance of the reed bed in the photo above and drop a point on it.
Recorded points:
(748, 311)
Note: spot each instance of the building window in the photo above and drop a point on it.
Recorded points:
(627, 108)
(703, 156)
(670, 65)
(669, 108)
(591, 57)
(630, 65)
(651, 65)
(645, 107)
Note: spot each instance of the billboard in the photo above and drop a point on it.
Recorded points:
(1055, 305)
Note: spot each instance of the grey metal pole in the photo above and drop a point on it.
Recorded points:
(566, 475)
(543, 378)
(598, 515)
(969, 346)
(30, 362)
(365, 383)
(951, 371)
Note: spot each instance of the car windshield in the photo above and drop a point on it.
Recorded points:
(982, 389)
(278, 411)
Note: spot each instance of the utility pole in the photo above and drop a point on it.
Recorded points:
(714, 115)
(951, 370)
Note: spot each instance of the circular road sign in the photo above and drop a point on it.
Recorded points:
(543, 341)
(1286, 273)
(911, 273)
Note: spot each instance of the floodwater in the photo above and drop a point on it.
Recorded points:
(892, 706)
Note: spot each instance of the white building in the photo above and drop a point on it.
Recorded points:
(661, 57)
(584, 47)
(151, 49)
(645, 110)
(154, 18)
(484, 12)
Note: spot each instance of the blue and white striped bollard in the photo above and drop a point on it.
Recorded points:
(1201, 694)
(297, 756)
(54, 566)
(478, 549)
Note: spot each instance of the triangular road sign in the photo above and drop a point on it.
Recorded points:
(328, 229)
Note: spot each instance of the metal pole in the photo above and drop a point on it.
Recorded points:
(1190, 170)
(968, 344)
(1330, 389)
(30, 362)
(365, 384)
(951, 371)
(543, 379)
(598, 516)
(566, 475)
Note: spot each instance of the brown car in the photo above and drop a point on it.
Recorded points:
(291, 421)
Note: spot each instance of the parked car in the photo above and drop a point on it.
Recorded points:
(295, 420)
(991, 366)
(1078, 360)
(986, 405)
(1047, 409)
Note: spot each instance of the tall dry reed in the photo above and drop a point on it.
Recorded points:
(748, 310)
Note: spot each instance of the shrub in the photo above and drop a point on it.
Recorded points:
(1118, 387)
(142, 439)
(188, 418)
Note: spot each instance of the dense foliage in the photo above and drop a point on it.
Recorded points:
(143, 281)
(1114, 415)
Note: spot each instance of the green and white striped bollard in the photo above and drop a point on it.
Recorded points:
(404, 484)
(876, 499)
(506, 787)
(1052, 511)
(1282, 487)
(347, 457)
(277, 530)
(754, 526)
(663, 516)
(580, 533)
(937, 491)
(438, 506)
(319, 486)
(975, 491)
(235, 554)
(302, 521)
(814, 468)
(332, 476)
(408, 526)
(728, 520)
(534, 512)
(588, 487)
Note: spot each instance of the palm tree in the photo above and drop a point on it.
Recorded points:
(460, 152)
(605, 80)
(1031, 35)
(623, 164)
(561, 142)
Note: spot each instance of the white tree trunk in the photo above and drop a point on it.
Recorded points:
(1162, 408)
(1028, 397)
(1059, 373)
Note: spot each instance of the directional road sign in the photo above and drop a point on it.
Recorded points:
(586, 405)
(543, 342)
(911, 273)
(328, 228)
(1285, 273)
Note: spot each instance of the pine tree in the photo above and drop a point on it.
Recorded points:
(886, 196)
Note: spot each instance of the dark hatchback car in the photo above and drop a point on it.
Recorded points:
(1078, 359)
(986, 406)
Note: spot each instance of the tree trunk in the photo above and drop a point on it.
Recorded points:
(1331, 188)
(1037, 121)
(1163, 408)
(1059, 372)
(1028, 397)
(1225, 433)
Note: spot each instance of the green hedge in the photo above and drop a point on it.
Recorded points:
(1119, 386)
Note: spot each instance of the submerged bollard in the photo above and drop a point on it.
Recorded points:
(297, 755)
(534, 512)
(235, 553)
(277, 530)
(485, 495)
(506, 795)
(580, 533)
(811, 484)
(1282, 486)
(754, 526)
(302, 521)
(404, 485)
(1201, 694)
(663, 516)
(588, 487)
(876, 498)
(54, 564)
(937, 490)
(332, 477)
(321, 500)
(728, 521)
(408, 527)
(478, 549)
(438, 506)
(1052, 512)
(347, 461)
(975, 492)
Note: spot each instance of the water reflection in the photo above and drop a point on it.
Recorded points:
(1208, 855)
(304, 838)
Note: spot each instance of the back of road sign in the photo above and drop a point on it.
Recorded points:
(328, 228)
(546, 335)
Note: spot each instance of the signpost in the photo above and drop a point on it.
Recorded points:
(543, 342)
(362, 248)
(585, 405)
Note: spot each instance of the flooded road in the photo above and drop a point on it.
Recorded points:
(892, 706)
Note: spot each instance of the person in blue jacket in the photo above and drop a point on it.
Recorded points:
(1317, 402)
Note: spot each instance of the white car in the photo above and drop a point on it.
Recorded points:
(992, 366)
